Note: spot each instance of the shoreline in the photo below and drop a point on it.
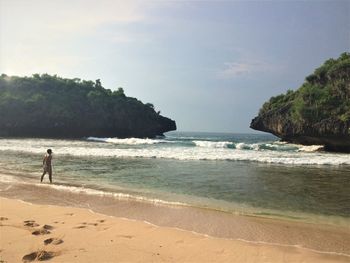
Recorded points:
(90, 236)
(324, 239)
(127, 195)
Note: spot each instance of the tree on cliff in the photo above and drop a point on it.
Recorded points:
(50, 106)
(317, 112)
(324, 94)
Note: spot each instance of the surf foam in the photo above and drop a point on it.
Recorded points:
(126, 141)
(212, 144)
(272, 152)
(116, 195)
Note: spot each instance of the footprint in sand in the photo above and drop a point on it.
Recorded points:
(69, 214)
(79, 227)
(48, 227)
(40, 255)
(53, 241)
(85, 224)
(30, 223)
(126, 236)
(41, 232)
(101, 221)
(2, 218)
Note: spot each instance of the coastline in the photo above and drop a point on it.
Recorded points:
(90, 237)
(274, 239)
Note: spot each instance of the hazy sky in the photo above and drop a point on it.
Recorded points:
(209, 65)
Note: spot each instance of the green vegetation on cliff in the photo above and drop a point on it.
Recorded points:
(50, 106)
(317, 113)
(324, 94)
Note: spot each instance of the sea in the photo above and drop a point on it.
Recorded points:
(242, 174)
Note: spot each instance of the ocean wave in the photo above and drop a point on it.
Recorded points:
(213, 144)
(310, 148)
(116, 195)
(222, 154)
(263, 152)
(199, 153)
(272, 146)
(244, 146)
(247, 146)
(7, 179)
(126, 141)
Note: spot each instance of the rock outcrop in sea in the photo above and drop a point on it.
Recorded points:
(53, 107)
(316, 113)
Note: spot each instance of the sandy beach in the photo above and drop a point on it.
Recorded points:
(32, 232)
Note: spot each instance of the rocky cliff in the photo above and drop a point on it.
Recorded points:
(50, 106)
(317, 113)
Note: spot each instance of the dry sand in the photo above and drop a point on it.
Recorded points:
(31, 232)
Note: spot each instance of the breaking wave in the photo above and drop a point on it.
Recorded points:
(273, 152)
(213, 144)
(127, 141)
(116, 195)
(273, 146)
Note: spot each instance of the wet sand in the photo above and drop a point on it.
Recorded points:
(66, 234)
(316, 237)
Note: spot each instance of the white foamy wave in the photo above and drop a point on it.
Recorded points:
(202, 153)
(126, 141)
(297, 147)
(119, 196)
(310, 148)
(247, 146)
(212, 144)
(277, 146)
(240, 152)
(7, 179)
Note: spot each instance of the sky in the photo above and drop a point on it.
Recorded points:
(209, 65)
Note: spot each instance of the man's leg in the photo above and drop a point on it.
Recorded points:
(50, 176)
(42, 177)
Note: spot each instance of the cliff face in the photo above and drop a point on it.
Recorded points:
(317, 113)
(49, 106)
(331, 132)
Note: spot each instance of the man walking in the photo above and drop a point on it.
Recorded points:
(47, 165)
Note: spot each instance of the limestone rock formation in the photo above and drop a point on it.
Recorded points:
(54, 107)
(317, 113)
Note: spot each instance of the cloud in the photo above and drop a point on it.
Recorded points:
(89, 15)
(78, 16)
(234, 69)
(24, 63)
(41, 35)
